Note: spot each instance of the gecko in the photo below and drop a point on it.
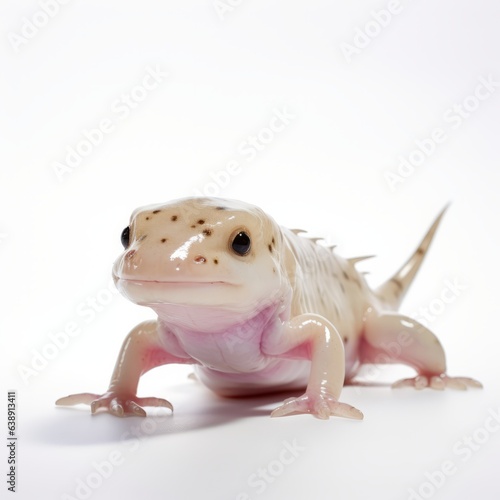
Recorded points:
(257, 308)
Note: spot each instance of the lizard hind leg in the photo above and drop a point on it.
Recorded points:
(395, 338)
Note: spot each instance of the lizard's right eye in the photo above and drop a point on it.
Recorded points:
(125, 237)
(241, 243)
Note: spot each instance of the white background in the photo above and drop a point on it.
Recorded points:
(324, 172)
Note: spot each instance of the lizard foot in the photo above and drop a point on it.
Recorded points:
(438, 382)
(321, 406)
(119, 405)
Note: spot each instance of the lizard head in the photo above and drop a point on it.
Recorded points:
(202, 252)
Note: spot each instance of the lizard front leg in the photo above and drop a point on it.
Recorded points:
(140, 352)
(310, 336)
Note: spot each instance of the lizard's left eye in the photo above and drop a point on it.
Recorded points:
(241, 243)
(126, 237)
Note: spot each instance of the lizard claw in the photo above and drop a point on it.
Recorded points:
(321, 406)
(438, 382)
(85, 398)
(155, 402)
(119, 405)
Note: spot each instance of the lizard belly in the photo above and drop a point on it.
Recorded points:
(278, 375)
(230, 361)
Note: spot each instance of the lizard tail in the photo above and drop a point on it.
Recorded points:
(393, 291)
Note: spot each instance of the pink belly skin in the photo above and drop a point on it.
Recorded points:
(279, 375)
(229, 359)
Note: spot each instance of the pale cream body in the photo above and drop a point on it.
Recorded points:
(287, 314)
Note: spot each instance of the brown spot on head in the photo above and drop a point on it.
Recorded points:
(147, 218)
(220, 208)
(207, 232)
(163, 240)
(272, 241)
(420, 251)
(156, 211)
(345, 339)
(270, 248)
(193, 226)
(201, 221)
(216, 261)
(174, 217)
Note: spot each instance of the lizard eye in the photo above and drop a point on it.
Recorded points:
(125, 237)
(241, 243)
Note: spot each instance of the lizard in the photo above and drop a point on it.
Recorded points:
(259, 308)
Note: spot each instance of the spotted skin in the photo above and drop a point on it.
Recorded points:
(256, 308)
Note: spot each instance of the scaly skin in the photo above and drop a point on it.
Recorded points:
(256, 308)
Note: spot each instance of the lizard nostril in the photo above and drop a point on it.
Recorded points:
(129, 254)
(199, 259)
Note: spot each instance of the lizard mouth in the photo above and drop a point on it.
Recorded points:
(145, 282)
